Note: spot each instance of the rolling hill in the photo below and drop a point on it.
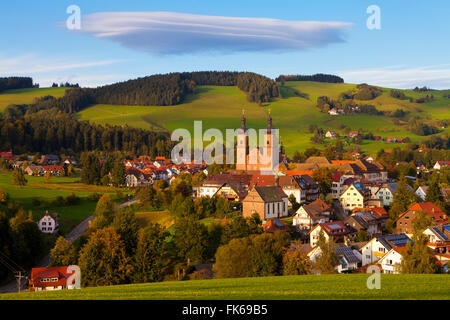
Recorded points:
(26, 96)
(350, 286)
(221, 107)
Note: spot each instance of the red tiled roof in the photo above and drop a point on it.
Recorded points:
(48, 273)
(432, 210)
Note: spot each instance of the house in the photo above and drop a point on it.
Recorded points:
(356, 154)
(441, 164)
(49, 159)
(275, 225)
(308, 215)
(353, 197)
(232, 186)
(437, 235)
(33, 170)
(391, 139)
(422, 192)
(391, 261)
(364, 220)
(336, 230)
(291, 185)
(49, 222)
(49, 278)
(134, 178)
(309, 186)
(349, 259)
(330, 134)
(378, 246)
(404, 222)
(54, 170)
(353, 134)
(269, 202)
(386, 193)
(7, 155)
(333, 112)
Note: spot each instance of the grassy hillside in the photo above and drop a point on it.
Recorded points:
(221, 107)
(285, 288)
(46, 192)
(25, 96)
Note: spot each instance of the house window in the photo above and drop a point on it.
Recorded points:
(44, 223)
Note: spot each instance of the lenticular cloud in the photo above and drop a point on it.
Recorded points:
(180, 33)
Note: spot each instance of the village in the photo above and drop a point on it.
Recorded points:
(352, 212)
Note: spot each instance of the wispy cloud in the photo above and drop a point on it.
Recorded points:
(402, 77)
(33, 64)
(180, 33)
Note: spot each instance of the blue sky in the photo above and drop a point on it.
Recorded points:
(412, 47)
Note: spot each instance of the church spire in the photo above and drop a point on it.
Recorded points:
(243, 120)
(269, 123)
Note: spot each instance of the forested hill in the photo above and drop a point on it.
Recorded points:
(172, 88)
(320, 77)
(160, 90)
(15, 83)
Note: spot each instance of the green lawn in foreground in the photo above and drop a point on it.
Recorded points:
(221, 108)
(276, 288)
(26, 96)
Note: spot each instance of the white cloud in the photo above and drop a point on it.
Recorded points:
(47, 70)
(33, 64)
(436, 77)
(180, 33)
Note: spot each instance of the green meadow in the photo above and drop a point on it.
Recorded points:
(322, 287)
(47, 192)
(26, 96)
(221, 107)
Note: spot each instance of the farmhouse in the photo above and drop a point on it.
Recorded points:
(49, 278)
(269, 202)
(49, 222)
(441, 164)
(330, 134)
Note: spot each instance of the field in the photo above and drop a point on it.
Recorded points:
(46, 192)
(221, 107)
(26, 96)
(321, 287)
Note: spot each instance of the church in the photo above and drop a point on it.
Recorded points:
(265, 158)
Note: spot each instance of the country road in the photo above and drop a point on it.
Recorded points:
(73, 235)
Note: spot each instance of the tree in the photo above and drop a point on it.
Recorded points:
(149, 259)
(295, 205)
(323, 177)
(417, 257)
(434, 194)
(103, 260)
(327, 259)
(47, 176)
(126, 226)
(190, 240)
(63, 253)
(403, 198)
(295, 262)
(18, 177)
(104, 212)
(233, 259)
(118, 173)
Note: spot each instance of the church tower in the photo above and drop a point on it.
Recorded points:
(242, 148)
(267, 163)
